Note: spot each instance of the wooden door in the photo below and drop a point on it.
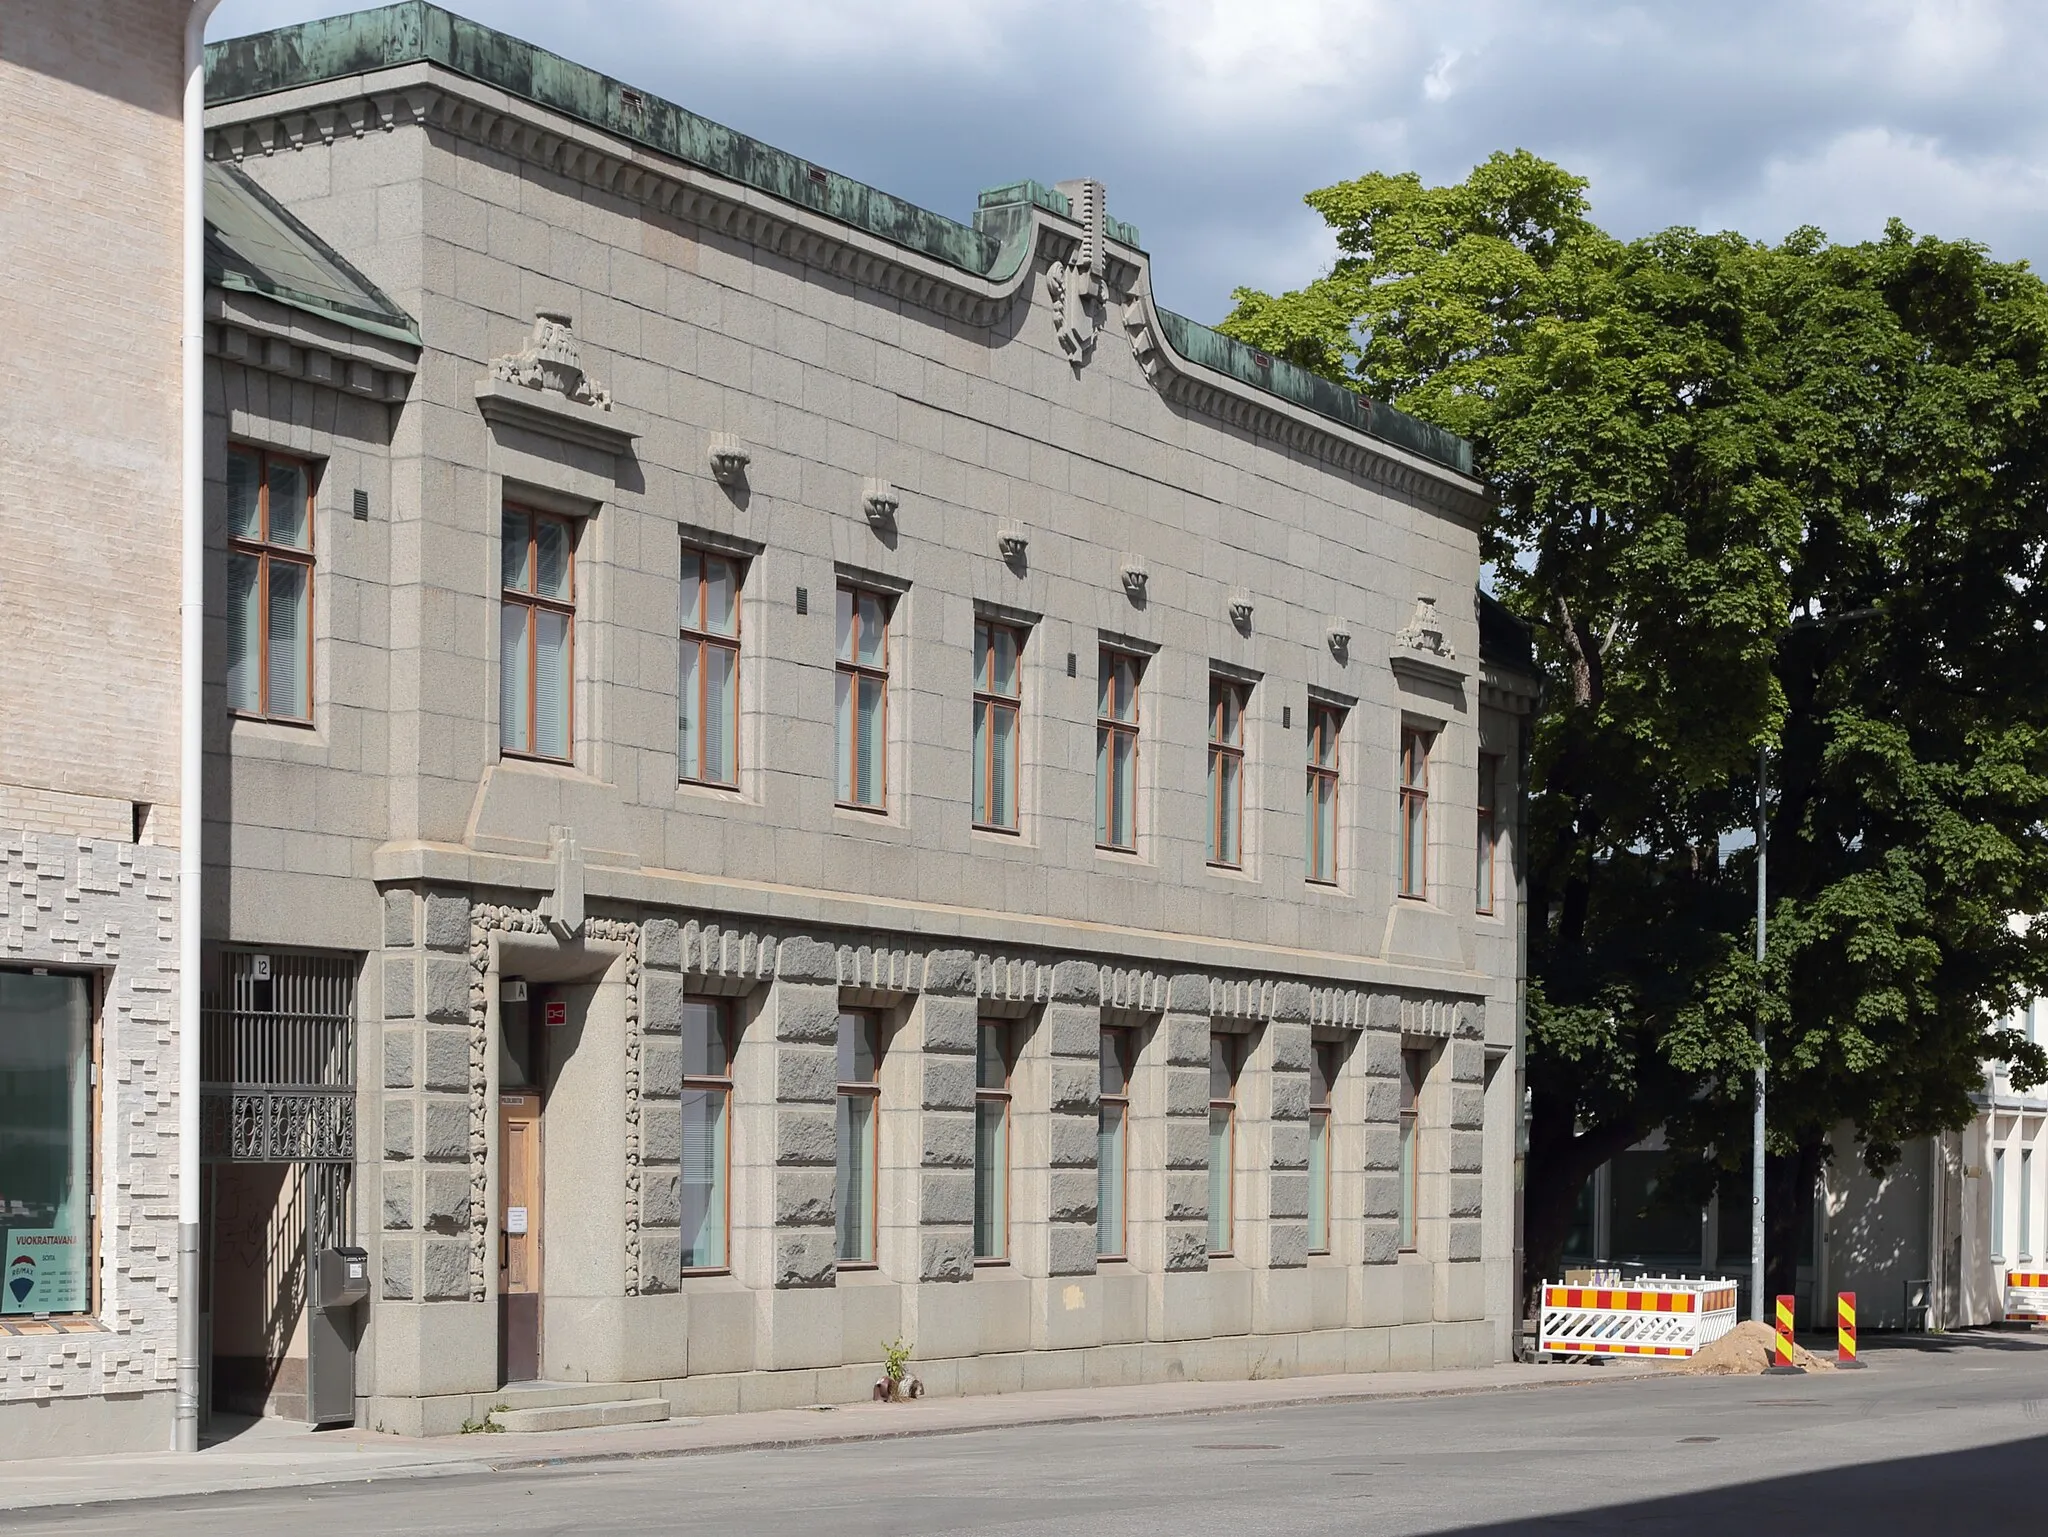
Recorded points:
(519, 1230)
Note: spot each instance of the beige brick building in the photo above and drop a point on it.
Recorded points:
(89, 528)
(854, 778)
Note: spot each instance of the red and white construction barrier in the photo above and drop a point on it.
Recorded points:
(1653, 1316)
(2026, 1296)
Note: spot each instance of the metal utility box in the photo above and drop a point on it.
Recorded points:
(340, 1280)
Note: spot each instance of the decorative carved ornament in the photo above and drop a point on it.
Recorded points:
(1425, 632)
(729, 459)
(1013, 542)
(551, 362)
(1134, 577)
(1338, 633)
(1079, 297)
(878, 499)
(1241, 611)
(1421, 650)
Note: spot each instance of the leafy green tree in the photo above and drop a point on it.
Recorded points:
(1792, 496)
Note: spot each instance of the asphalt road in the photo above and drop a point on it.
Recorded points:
(1926, 1441)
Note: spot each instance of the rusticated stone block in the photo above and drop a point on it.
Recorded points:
(800, 959)
(447, 995)
(399, 1048)
(447, 1203)
(397, 1256)
(806, 1135)
(400, 1000)
(445, 1135)
(400, 1127)
(804, 1257)
(398, 918)
(445, 1270)
(398, 1202)
(447, 1059)
(447, 926)
(805, 1198)
(661, 944)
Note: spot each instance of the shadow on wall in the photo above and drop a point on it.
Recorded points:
(1879, 1239)
(1999, 1487)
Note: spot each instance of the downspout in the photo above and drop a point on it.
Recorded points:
(191, 714)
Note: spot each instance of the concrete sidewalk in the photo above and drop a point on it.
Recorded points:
(271, 1454)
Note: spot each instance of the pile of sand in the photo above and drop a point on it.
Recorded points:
(1745, 1351)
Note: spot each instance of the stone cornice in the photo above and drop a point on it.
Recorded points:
(729, 918)
(260, 333)
(425, 95)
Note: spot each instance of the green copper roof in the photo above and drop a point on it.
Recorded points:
(993, 247)
(254, 244)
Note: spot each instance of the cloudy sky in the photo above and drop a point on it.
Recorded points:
(1208, 119)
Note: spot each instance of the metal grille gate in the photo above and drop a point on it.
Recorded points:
(277, 1086)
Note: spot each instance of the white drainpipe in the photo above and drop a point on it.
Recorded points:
(191, 718)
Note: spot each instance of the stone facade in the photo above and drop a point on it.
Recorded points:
(89, 178)
(754, 356)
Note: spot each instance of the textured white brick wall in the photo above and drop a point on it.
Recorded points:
(111, 908)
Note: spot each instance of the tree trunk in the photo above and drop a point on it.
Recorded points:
(1561, 1160)
(1789, 1183)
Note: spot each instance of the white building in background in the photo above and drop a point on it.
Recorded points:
(1929, 1243)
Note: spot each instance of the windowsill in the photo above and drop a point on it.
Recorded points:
(1112, 1259)
(1000, 832)
(709, 1273)
(1118, 855)
(291, 722)
(1331, 886)
(1419, 898)
(855, 1267)
(990, 1264)
(63, 1323)
(535, 760)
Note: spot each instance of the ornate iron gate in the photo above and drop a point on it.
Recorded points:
(278, 1073)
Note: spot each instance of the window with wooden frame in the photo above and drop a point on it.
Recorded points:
(860, 1089)
(997, 700)
(1226, 771)
(708, 720)
(270, 585)
(1116, 749)
(992, 1068)
(706, 1116)
(863, 699)
(1415, 746)
(1226, 1056)
(1414, 1074)
(1325, 723)
(1489, 829)
(48, 1130)
(1112, 1144)
(1322, 1073)
(537, 636)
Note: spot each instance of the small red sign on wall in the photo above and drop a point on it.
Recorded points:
(556, 1012)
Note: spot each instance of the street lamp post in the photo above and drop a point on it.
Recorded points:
(1756, 1152)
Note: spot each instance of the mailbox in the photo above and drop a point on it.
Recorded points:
(340, 1280)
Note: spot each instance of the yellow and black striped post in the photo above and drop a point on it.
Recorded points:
(1845, 1332)
(1781, 1354)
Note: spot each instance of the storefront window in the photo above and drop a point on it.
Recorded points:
(45, 1144)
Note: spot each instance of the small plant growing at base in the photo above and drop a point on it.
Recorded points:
(895, 1362)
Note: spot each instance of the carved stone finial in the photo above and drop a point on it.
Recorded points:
(551, 362)
(1013, 542)
(1425, 631)
(729, 459)
(1076, 284)
(1241, 611)
(1134, 576)
(878, 499)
